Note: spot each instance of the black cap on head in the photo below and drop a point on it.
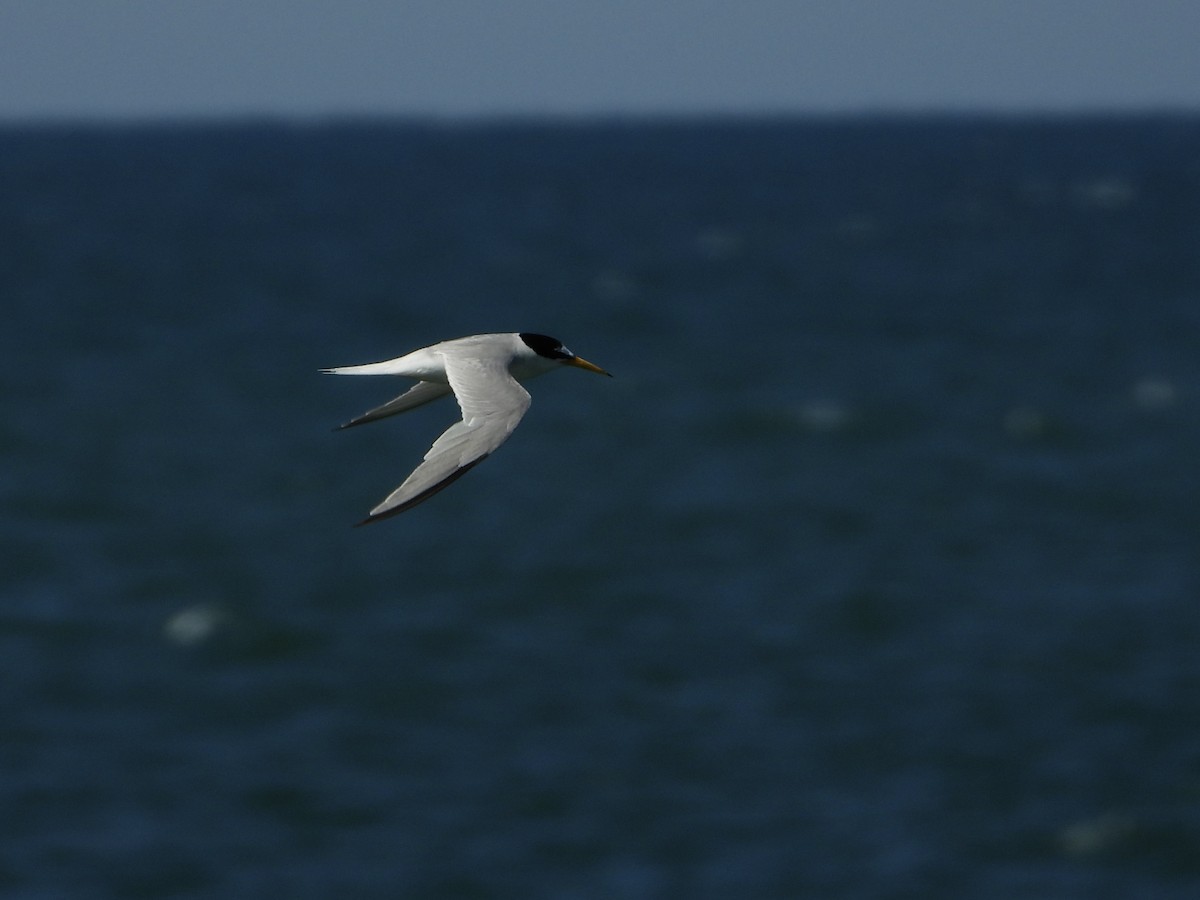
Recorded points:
(544, 345)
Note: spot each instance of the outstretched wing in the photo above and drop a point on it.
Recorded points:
(419, 393)
(492, 404)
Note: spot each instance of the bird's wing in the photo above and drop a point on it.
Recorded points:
(421, 392)
(492, 404)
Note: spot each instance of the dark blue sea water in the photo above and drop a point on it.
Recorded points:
(873, 573)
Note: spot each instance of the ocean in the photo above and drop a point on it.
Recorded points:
(872, 573)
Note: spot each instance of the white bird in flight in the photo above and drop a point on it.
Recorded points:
(484, 372)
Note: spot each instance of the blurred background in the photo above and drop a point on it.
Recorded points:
(872, 573)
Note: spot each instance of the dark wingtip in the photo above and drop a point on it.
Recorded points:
(424, 495)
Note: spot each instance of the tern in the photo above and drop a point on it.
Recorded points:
(484, 372)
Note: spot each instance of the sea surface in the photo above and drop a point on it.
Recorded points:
(874, 572)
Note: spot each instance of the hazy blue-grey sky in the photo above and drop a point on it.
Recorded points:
(103, 58)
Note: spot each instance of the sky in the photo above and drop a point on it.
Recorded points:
(123, 59)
